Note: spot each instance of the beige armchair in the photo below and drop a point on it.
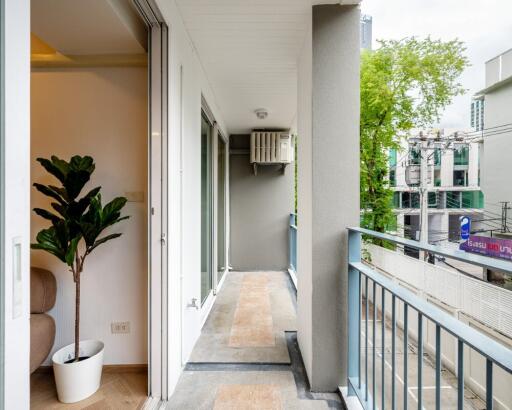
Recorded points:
(43, 292)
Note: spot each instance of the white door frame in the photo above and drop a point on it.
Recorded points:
(216, 133)
(157, 205)
(2, 206)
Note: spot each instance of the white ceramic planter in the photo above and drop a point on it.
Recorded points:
(78, 380)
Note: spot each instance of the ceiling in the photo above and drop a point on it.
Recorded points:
(91, 27)
(249, 51)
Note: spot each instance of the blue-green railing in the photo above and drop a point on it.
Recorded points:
(361, 275)
(292, 244)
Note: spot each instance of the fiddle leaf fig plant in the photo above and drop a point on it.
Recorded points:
(76, 222)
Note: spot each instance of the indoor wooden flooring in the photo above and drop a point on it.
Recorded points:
(124, 390)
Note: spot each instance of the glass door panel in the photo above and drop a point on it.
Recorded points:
(206, 209)
(221, 209)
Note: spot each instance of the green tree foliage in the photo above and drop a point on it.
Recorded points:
(404, 84)
(77, 223)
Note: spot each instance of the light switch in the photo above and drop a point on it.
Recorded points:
(17, 283)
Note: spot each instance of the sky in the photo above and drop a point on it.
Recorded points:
(485, 26)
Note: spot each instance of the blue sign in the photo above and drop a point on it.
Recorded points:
(465, 227)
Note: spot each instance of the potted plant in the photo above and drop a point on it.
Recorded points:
(76, 227)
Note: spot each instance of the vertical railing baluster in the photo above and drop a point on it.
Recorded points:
(488, 385)
(359, 358)
(460, 375)
(406, 344)
(393, 352)
(383, 362)
(438, 367)
(420, 361)
(354, 351)
(366, 336)
(290, 243)
(374, 349)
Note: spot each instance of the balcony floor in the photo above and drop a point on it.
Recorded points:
(247, 356)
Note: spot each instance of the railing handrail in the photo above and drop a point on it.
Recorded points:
(483, 344)
(474, 259)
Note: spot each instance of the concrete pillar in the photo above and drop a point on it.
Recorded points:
(328, 120)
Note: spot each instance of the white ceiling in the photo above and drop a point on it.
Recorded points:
(89, 27)
(249, 50)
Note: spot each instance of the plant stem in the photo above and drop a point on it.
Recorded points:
(77, 317)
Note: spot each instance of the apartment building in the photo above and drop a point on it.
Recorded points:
(454, 187)
(496, 97)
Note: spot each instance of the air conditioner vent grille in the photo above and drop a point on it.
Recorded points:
(271, 148)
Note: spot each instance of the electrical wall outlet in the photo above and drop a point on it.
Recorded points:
(120, 327)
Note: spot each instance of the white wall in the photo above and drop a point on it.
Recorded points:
(496, 184)
(305, 206)
(16, 199)
(474, 164)
(101, 112)
(261, 205)
(184, 187)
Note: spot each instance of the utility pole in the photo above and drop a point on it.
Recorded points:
(423, 193)
(504, 211)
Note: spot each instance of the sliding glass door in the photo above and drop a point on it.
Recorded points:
(206, 209)
(221, 208)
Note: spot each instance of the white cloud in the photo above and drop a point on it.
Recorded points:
(484, 26)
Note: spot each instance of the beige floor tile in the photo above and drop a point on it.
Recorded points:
(252, 324)
(248, 397)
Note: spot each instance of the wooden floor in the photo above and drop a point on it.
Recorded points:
(121, 390)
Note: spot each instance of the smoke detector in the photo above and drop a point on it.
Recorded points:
(261, 113)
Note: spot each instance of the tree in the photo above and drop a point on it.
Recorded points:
(78, 222)
(405, 84)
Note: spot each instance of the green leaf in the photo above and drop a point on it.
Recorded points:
(78, 217)
(46, 190)
(104, 239)
(48, 240)
(47, 215)
(71, 251)
(57, 171)
(111, 211)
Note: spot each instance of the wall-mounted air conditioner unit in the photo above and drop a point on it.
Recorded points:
(271, 148)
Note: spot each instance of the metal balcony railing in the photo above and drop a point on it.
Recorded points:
(364, 286)
(292, 243)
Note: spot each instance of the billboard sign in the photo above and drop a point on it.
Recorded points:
(493, 247)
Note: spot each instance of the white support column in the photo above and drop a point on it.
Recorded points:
(328, 190)
(474, 164)
(447, 168)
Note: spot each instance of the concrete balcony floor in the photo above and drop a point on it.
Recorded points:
(247, 356)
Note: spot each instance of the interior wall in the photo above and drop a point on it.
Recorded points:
(260, 210)
(101, 112)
